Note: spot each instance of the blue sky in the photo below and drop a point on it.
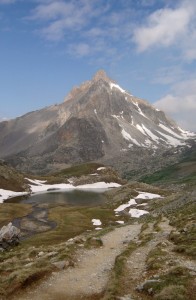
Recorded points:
(147, 46)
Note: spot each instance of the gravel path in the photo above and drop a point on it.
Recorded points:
(91, 274)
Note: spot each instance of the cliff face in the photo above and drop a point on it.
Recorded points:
(97, 121)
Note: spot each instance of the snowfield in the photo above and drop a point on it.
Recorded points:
(40, 186)
(135, 212)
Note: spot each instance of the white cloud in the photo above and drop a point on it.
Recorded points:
(7, 1)
(163, 28)
(181, 104)
(60, 17)
(168, 27)
(80, 49)
(85, 27)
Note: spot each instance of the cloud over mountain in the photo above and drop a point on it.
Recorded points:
(181, 104)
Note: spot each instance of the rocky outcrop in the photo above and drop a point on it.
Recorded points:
(11, 179)
(9, 236)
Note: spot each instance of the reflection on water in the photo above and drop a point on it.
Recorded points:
(70, 197)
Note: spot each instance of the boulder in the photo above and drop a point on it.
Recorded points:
(61, 264)
(9, 236)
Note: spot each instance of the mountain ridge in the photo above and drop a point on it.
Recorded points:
(97, 120)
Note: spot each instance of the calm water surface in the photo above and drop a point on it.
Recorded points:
(71, 197)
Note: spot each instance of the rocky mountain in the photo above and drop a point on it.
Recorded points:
(98, 121)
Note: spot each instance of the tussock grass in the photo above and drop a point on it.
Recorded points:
(179, 278)
(184, 237)
(156, 258)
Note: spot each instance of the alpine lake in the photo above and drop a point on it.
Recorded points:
(56, 216)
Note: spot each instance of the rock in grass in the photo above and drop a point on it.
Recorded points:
(9, 236)
(61, 264)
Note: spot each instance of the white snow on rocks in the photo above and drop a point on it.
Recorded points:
(171, 140)
(6, 194)
(128, 137)
(170, 131)
(39, 187)
(136, 213)
(97, 185)
(96, 222)
(144, 195)
(187, 134)
(101, 168)
(120, 222)
(47, 187)
(139, 110)
(150, 134)
(140, 129)
(123, 206)
(113, 85)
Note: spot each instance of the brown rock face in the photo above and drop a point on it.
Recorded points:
(97, 121)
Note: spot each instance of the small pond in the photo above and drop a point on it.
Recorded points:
(37, 221)
(70, 197)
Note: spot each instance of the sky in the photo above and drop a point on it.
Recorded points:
(49, 46)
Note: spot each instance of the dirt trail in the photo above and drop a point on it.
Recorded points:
(91, 274)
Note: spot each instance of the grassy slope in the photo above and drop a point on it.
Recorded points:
(182, 172)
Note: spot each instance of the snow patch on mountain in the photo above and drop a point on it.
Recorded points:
(113, 85)
(139, 110)
(171, 140)
(151, 135)
(170, 131)
(187, 134)
(128, 137)
(140, 128)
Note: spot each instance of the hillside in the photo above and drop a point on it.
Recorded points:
(183, 172)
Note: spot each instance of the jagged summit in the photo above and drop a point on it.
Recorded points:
(97, 121)
(101, 74)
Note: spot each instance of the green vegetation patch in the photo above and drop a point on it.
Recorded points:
(184, 219)
(156, 258)
(182, 172)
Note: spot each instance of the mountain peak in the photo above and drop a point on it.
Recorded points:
(101, 74)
